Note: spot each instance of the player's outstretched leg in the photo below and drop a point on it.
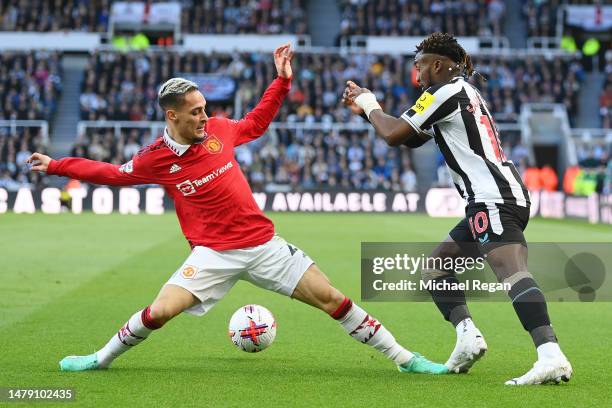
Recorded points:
(470, 345)
(509, 263)
(315, 289)
(171, 301)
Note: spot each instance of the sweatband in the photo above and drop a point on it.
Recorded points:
(367, 102)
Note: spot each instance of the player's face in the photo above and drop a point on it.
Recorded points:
(422, 64)
(431, 69)
(191, 117)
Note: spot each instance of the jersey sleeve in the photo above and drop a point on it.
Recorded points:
(136, 171)
(433, 106)
(256, 122)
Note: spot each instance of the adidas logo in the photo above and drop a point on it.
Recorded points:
(174, 168)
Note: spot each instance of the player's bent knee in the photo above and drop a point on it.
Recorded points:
(316, 290)
(162, 312)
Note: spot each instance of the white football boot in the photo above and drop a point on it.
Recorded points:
(470, 347)
(552, 367)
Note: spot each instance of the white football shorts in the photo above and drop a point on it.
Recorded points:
(208, 274)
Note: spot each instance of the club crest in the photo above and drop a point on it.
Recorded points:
(213, 145)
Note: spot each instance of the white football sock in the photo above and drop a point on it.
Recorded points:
(131, 334)
(366, 329)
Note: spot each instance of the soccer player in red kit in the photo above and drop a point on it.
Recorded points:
(231, 238)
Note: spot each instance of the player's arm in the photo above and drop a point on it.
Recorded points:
(256, 122)
(395, 131)
(92, 171)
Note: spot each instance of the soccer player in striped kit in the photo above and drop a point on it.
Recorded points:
(230, 237)
(454, 114)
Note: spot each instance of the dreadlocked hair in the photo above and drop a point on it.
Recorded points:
(445, 44)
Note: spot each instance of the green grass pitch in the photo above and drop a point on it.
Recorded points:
(69, 282)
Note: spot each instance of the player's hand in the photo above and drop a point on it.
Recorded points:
(282, 60)
(349, 103)
(39, 162)
(353, 90)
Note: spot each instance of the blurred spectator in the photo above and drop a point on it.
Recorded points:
(548, 178)
(518, 153)
(532, 179)
(443, 177)
(569, 179)
(408, 180)
(594, 161)
(605, 99)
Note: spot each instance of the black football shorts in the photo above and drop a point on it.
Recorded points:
(492, 225)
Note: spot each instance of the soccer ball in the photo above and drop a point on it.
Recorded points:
(252, 328)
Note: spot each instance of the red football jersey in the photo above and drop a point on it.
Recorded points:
(213, 201)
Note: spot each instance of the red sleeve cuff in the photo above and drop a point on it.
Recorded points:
(52, 166)
(286, 82)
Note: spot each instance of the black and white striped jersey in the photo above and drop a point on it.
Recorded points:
(465, 132)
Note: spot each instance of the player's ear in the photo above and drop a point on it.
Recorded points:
(437, 65)
(171, 114)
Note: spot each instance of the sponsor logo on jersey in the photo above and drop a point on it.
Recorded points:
(423, 103)
(186, 187)
(188, 271)
(213, 145)
(213, 174)
(174, 168)
(127, 167)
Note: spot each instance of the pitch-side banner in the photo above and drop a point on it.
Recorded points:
(437, 202)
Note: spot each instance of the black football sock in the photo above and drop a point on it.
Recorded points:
(451, 303)
(530, 307)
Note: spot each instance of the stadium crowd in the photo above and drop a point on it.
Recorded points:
(121, 86)
(420, 17)
(54, 15)
(30, 84)
(358, 17)
(245, 16)
(542, 15)
(511, 82)
(219, 16)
